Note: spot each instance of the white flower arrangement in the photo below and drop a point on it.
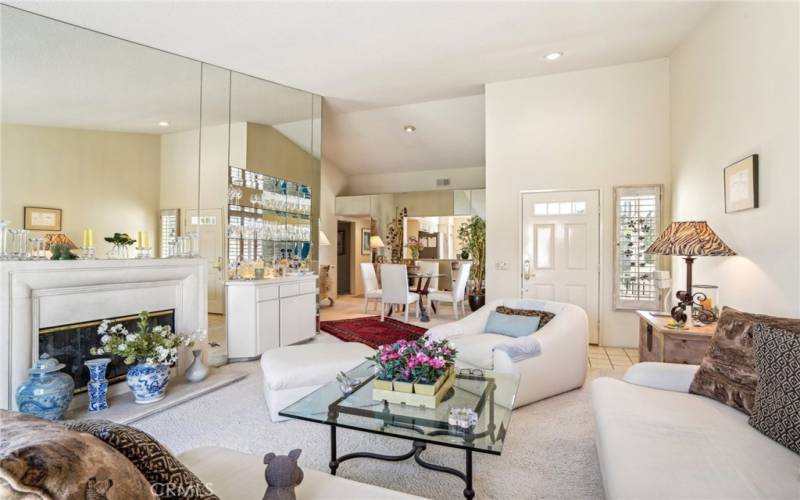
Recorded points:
(153, 346)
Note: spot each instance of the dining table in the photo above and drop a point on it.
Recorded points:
(420, 284)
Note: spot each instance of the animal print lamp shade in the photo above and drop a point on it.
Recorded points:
(693, 238)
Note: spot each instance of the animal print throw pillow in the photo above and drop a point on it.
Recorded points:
(544, 316)
(42, 459)
(776, 411)
(728, 371)
(168, 476)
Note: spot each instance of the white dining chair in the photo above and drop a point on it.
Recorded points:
(394, 278)
(457, 294)
(372, 291)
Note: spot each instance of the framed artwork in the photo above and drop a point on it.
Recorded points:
(43, 219)
(339, 242)
(741, 185)
(365, 234)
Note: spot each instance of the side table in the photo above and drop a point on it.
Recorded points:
(657, 342)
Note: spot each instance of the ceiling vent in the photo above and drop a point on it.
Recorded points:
(442, 182)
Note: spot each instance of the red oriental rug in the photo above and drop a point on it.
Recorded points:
(370, 331)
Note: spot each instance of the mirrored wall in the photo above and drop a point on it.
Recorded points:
(103, 136)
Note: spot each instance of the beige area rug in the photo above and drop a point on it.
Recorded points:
(549, 452)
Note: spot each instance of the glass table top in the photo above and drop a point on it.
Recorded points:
(490, 395)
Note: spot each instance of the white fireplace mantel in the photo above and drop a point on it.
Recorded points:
(40, 294)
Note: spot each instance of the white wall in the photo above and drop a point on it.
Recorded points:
(422, 180)
(180, 152)
(735, 87)
(587, 129)
(107, 181)
(332, 182)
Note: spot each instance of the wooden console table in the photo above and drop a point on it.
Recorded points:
(657, 342)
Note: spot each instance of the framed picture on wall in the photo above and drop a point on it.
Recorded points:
(741, 185)
(43, 219)
(339, 242)
(365, 234)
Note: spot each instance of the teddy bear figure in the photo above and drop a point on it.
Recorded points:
(282, 475)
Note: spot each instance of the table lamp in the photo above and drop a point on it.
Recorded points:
(375, 243)
(689, 240)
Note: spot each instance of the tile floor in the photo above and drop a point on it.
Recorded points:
(348, 306)
(616, 358)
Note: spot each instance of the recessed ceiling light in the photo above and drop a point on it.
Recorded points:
(163, 124)
(410, 129)
(552, 56)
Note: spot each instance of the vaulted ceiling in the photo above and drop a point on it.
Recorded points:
(381, 65)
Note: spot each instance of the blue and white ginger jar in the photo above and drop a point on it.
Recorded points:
(48, 392)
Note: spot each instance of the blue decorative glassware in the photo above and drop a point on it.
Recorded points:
(98, 383)
(48, 392)
(148, 382)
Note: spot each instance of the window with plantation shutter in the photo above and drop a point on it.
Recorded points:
(169, 223)
(637, 224)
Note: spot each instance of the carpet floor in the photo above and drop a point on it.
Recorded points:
(549, 452)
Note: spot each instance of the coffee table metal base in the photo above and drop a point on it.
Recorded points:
(416, 452)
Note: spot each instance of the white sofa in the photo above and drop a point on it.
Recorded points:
(560, 366)
(655, 440)
(233, 475)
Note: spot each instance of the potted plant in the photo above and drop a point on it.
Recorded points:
(59, 251)
(419, 366)
(388, 365)
(121, 242)
(151, 351)
(472, 235)
(432, 364)
(414, 247)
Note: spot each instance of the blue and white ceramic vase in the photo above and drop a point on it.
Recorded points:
(48, 392)
(148, 382)
(98, 383)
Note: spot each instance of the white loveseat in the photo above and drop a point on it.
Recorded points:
(560, 365)
(655, 440)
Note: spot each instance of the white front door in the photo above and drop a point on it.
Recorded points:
(561, 250)
(208, 224)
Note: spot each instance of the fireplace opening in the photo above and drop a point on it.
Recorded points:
(70, 344)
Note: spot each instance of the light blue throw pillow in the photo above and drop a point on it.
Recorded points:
(511, 325)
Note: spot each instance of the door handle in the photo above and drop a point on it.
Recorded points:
(526, 267)
(218, 265)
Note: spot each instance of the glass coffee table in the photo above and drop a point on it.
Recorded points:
(490, 395)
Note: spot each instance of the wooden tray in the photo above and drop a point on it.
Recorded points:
(414, 399)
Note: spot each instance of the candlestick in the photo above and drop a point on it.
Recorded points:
(145, 240)
(139, 240)
(88, 239)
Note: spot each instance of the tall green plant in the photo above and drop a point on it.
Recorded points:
(472, 235)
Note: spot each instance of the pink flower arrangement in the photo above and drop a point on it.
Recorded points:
(424, 360)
